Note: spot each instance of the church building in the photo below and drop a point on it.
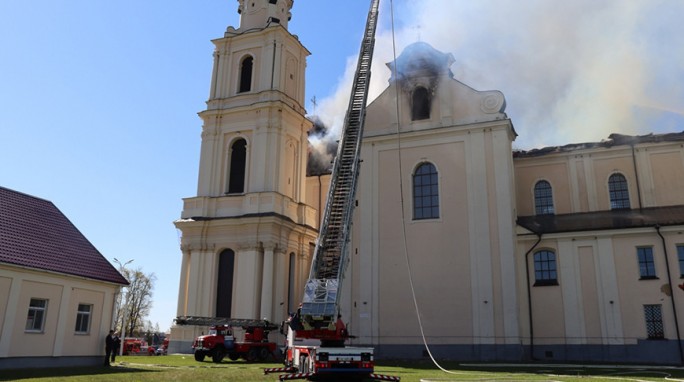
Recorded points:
(571, 253)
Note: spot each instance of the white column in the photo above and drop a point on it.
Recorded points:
(210, 158)
(646, 171)
(267, 285)
(505, 201)
(480, 235)
(214, 75)
(182, 307)
(247, 291)
(365, 321)
(226, 84)
(194, 276)
(280, 283)
(573, 179)
(10, 316)
(207, 283)
(591, 183)
(571, 290)
(609, 296)
(65, 307)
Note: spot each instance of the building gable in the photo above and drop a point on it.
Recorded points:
(35, 234)
(429, 97)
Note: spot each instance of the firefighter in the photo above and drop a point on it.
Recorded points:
(109, 347)
(295, 320)
(117, 346)
(340, 327)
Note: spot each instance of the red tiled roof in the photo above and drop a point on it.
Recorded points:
(34, 233)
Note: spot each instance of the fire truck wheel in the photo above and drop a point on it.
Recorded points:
(251, 355)
(233, 356)
(263, 354)
(199, 356)
(217, 355)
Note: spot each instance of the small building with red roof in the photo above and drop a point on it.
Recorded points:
(57, 291)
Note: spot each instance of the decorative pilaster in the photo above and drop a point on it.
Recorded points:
(267, 284)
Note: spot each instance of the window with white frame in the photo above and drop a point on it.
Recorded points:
(35, 321)
(618, 192)
(543, 198)
(425, 192)
(646, 263)
(545, 272)
(83, 318)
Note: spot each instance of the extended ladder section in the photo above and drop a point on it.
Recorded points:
(321, 297)
(215, 321)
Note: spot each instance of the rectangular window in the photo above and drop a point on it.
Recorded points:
(545, 268)
(83, 318)
(680, 257)
(646, 263)
(36, 315)
(654, 321)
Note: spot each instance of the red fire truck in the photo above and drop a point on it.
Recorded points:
(221, 342)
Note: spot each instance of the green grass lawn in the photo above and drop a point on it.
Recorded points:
(185, 368)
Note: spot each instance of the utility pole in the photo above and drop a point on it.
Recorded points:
(122, 268)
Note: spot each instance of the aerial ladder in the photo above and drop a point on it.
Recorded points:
(316, 335)
(216, 321)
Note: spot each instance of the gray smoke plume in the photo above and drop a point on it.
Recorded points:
(571, 71)
(322, 149)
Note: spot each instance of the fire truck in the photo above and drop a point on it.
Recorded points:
(316, 335)
(132, 346)
(221, 342)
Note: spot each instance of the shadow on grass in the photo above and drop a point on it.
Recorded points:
(540, 368)
(19, 374)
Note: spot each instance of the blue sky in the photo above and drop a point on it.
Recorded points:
(98, 112)
(99, 99)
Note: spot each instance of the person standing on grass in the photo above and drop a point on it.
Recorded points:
(117, 346)
(109, 347)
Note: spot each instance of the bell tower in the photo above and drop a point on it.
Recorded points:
(246, 235)
(259, 13)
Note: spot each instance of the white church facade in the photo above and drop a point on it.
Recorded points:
(570, 253)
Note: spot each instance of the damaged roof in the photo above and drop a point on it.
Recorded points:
(604, 220)
(613, 140)
(35, 234)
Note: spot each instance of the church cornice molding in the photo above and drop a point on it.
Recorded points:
(464, 129)
(195, 247)
(248, 103)
(268, 34)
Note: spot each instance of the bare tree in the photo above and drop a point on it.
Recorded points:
(136, 301)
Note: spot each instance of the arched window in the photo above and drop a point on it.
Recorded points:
(224, 285)
(238, 161)
(543, 198)
(420, 108)
(425, 192)
(246, 74)
(619, 193)
(545, 268)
